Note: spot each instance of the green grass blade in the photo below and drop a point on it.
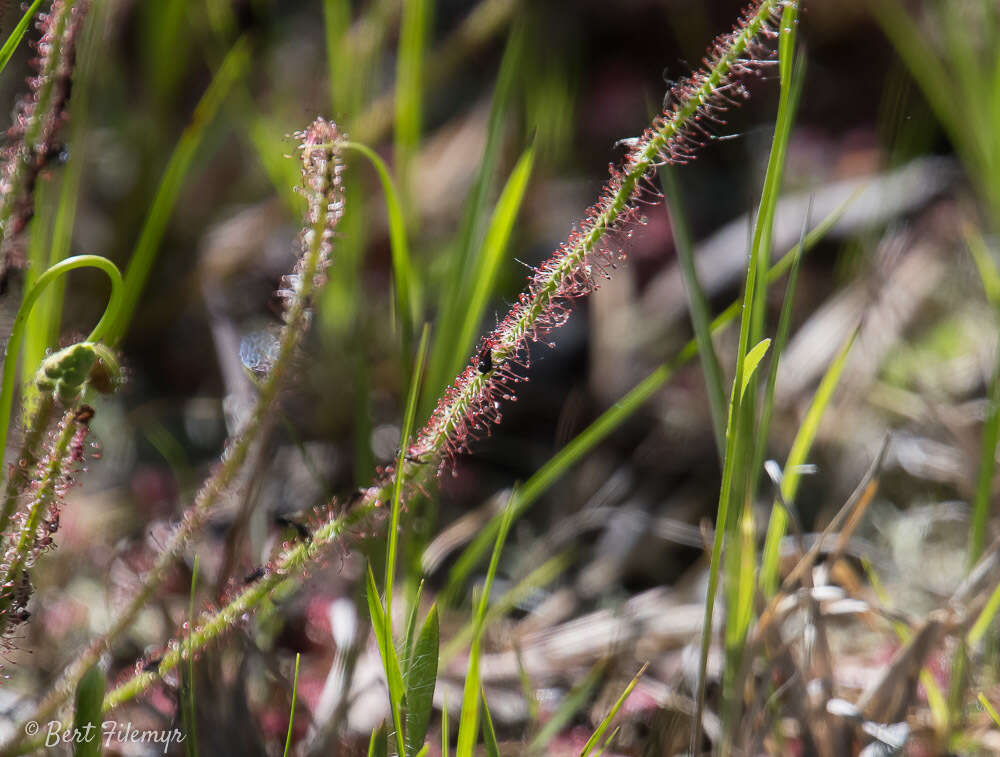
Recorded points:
(991, 428)
(609, 420)
(489, 732)
(378, 745)
(421, 678)
(190, 713)
(406, 285)
(36, 329)
(446, 359)
(390, 662)
(397, 490)
(336, 24)
(17, 34)
(413, 34)
(89, 714)
(468, 726)
(165, 46)
(780, 340)
(444, 727)
(928, 70)
(753, 359)
(494, 245)
(987, 466)
(734, 434)
(607, 742)
(791, 78)
(536, 580)
(985, 619)
(796, 458)
(990, 709)
(144, 255)
(596, 737)
(985, 264)
(573, 702)
(291, 711)
(701, 319)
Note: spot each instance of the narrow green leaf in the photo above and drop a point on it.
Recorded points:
(420, 684)
(17, 34)
(571, 704)
(36, 329)
(701, 319)
(780, 340)
(406, 285)
(337, 24)
(532, 583)
(792, 78)
(378, 745)
(413, 34)
(740, 419)
(468, 721)
(990, 709)
(494, 246)
(394, 679)
(89, 713)
(445, 734)
(446, 359)
(985, 264)
(291, 711)
(985, 619)
(801, 446)
(982, 499)
(752, 361)
(596, 737)
(607, 741)
(991, 428)
(397, 490)
(190, 714)
(144, 255)
(489, 733)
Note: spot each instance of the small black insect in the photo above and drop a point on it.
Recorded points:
(286, 522)
(485, 362)
(152, 664)
(255, 575)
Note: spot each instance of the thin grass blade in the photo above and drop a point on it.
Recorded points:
(144, 254)
(494, 246)
(468, 725)
(701, 319)
(489, 732)
(596, 737)
(291, 711)
(796, 458)
(17, 34)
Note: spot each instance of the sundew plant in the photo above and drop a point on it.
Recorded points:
(386, 442)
